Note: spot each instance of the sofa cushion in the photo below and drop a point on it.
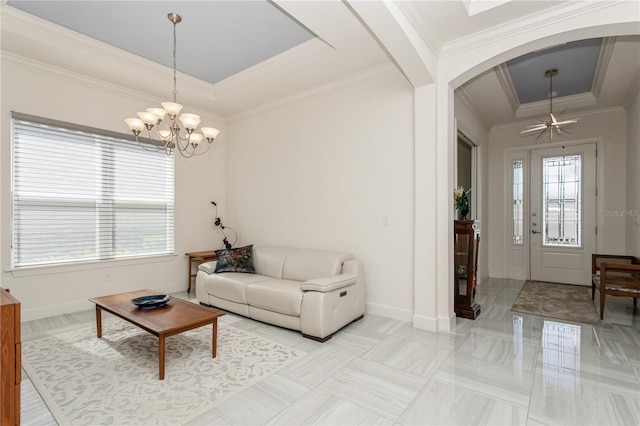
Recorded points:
(303, 265)
(282, 296)
(269, 260)
(231, 285)
(238, 259)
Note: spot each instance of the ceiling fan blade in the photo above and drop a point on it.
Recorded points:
(553, 119)
(563, 111)
(540, 135)
(563, 130)
(533, 130)
(560, 123)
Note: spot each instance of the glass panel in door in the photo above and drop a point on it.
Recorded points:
(562, 201)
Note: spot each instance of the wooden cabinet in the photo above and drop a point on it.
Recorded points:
(10, 359)
(466, 243)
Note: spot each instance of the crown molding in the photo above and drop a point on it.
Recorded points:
(335, 86)
(542, 107)
(632, 92)
(548, 17)
(462, 95)
(63, 74)
(600, 112)
(28, 64)
(504, 78)
(478, 6)
(300, 55)
(602, 65)
(431, 39)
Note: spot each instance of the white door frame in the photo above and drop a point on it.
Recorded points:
(512, 253)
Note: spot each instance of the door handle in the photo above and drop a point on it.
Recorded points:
(534, 231)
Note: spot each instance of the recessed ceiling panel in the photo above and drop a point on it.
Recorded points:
(216, 39)
(576, 64)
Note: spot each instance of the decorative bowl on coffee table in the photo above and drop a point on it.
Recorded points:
(152, 301)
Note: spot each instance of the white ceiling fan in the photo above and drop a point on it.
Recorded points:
(552, 125)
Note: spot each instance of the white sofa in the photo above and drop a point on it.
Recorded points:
(316, 292)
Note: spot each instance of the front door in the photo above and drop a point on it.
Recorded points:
(563, 213)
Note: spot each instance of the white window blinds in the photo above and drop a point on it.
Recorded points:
(81, 194)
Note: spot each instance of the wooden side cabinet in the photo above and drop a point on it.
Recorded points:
(466, 243)
(10, 359)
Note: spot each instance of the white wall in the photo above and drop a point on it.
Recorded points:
(31, 88)
(610, 127)
(633, 179)
(469, 124)
(323, 171)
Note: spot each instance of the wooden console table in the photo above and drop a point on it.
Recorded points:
(198, 257)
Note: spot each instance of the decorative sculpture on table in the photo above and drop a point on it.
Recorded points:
(218, 224)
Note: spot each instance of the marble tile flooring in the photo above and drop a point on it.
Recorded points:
(504, 368)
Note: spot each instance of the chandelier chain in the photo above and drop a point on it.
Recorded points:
(175, 42)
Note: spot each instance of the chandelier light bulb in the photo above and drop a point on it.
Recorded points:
(210, 133)
(195, 138)
(149, 119)
(172, 108)
(135, 124)
(190, 121)
(165, 135)
(158, 112)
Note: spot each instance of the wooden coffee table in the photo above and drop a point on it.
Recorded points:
(175, 317)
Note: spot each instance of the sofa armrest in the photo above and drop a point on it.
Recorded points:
(208, 267)
(331, 283)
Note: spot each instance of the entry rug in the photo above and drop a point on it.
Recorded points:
(114, 380)
(560, 301)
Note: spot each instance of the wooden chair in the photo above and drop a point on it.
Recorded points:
(615, 275)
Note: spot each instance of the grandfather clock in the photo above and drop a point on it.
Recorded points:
(466, 243)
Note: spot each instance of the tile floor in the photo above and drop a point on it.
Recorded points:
(504, 368)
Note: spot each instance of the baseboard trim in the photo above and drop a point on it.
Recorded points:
(434, 324)
(388, 312)
(425, 323)
(78, 305)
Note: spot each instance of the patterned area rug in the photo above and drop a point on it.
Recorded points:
(114, 380)
(561, 301)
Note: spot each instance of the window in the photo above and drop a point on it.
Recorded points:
(82, 194)
(562, 200)
(517, 198)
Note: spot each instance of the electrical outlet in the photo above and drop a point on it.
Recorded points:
(107, 277)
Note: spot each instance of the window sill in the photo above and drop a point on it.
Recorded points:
(30, 271)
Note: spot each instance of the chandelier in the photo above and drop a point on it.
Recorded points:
(552, 124)
(187, 141)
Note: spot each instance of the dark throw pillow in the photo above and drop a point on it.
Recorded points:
(235, 260)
